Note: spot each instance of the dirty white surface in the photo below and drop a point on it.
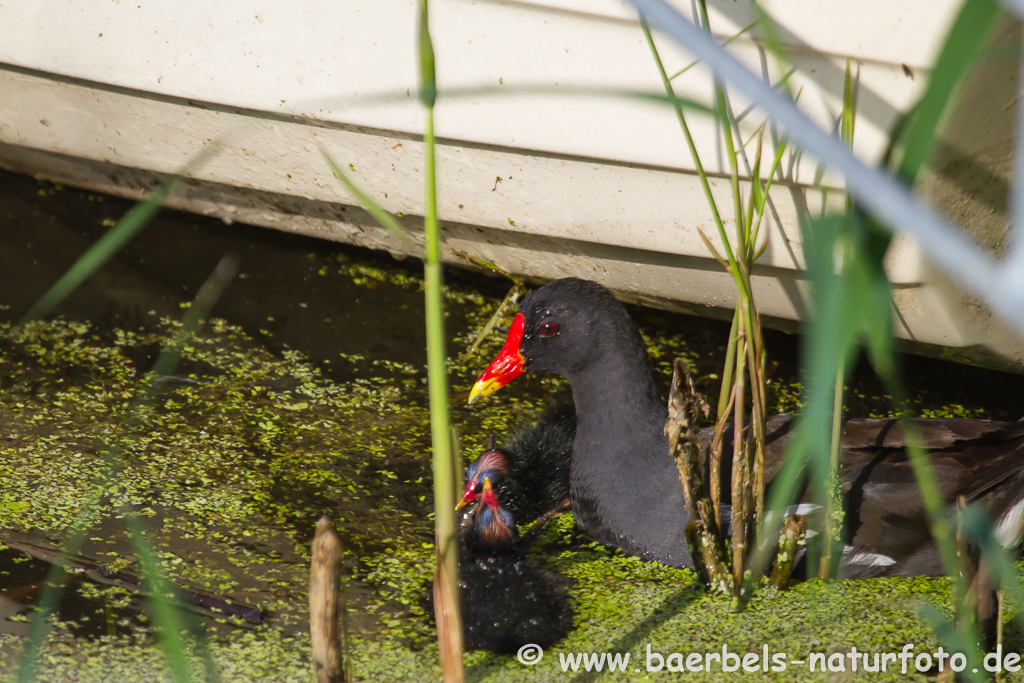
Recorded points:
(545, 185)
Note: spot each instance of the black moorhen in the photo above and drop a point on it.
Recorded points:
(624, 486)
(530, 476)
(507, 601)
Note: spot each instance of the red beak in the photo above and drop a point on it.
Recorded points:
(505, 367)
(488, 497)
(469, 496)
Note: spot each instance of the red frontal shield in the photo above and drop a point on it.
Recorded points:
(505, 367)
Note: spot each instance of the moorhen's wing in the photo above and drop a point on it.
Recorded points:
(935, 433)
(886, 520)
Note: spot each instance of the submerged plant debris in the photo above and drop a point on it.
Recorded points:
(253, 439)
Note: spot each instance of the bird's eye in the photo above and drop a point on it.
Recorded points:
(548, 329)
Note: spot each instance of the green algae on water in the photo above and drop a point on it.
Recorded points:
(247, 447)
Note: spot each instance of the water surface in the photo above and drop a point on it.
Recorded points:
(305, 395)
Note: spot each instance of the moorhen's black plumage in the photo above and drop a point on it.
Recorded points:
(624, 485)
(507, 601)
(530, 475)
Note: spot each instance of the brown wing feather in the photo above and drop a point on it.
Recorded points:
(981, 460)
(936, 434)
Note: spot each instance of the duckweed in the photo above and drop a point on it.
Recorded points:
(247, 447)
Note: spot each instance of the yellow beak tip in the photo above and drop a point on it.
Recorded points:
(482, 390)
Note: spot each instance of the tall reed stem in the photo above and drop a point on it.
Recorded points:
(446, 575)
(743, 378)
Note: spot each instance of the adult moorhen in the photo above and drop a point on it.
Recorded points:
(624, 486)
(507, 601)
(531, 474)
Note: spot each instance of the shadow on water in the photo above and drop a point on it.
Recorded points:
(277, 296)
(670, 606)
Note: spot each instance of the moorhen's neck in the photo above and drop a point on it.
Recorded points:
(624, 486)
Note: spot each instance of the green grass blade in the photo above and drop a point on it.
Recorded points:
(160, 601)
(892, 202)
(114, 239)
(445, 474)
(874, 311)
(771, 38)
(169, 619)
(725, 42)
(484, 263)
(507, 304)
(474, 92)
(849, 114)
(428, 71)
(755, 198)
(958, 53)
(755, 232)
(977, 526)
(782, 494)
(830, 341)
(379, 214)
(447, 610)
(917, 134)
(954, 641)
(681, 117)
(727, 124)
(50, 598)
(834, 513)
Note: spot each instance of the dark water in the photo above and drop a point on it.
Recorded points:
(365, 324)
(277, 292)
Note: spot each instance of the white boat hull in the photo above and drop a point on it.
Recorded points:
(542, 186)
